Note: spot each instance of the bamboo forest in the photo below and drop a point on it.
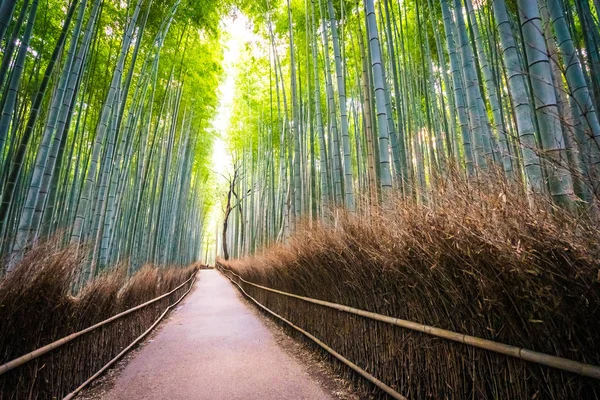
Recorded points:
(406, 192)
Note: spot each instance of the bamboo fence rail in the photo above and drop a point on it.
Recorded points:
(136, 341)
(52, 347)
(564, 364)
(394, 394)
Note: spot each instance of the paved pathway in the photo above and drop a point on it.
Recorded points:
(214, 347)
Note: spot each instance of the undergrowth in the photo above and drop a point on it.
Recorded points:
(37, 307)
(476, 259)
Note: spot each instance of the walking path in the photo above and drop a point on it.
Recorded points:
(215, 347)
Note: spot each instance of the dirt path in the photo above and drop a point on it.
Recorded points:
(216, 347)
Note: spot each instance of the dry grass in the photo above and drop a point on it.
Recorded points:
(37, 307)
(479, 260)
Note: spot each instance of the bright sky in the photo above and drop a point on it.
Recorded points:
(237, 33)
(235, 29)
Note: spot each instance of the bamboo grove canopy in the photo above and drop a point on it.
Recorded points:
(345, 103)
(106, 110)
(105, 126)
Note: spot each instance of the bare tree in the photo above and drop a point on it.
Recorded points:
(233, 181)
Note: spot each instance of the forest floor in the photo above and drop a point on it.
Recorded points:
(216, 345)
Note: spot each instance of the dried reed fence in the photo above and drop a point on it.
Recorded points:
(479, 261)
(37, 308)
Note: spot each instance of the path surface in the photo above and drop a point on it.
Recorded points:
(215, 347)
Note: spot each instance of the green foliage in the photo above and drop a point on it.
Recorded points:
(252, 118)
(162, 140)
